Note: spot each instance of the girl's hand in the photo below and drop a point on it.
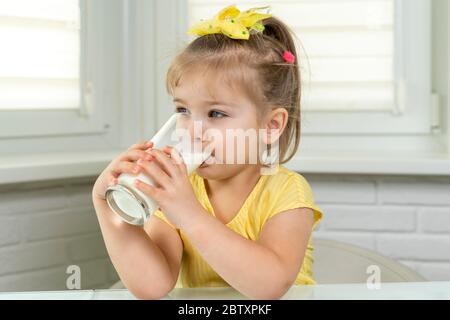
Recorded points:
(123, 163)
(173, 190)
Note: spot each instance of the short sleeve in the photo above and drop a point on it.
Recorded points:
(294, 192)
(161, 215)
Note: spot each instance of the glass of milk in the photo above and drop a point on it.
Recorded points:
(131, 204)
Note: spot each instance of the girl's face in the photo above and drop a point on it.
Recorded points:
(213, 111)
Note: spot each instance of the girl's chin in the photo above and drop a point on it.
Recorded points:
(210, 162)
(205, 166)
(208, 171)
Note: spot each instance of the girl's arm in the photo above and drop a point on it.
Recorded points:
(261, 270)
(146, 259)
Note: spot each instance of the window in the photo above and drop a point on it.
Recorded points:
(47, 65)
(365, 63)
(39, 60)
(61, 90)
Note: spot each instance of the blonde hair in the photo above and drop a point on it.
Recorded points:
(257, 67)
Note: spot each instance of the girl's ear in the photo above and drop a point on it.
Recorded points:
(275, 122)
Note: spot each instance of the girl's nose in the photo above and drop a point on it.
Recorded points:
(197, 130)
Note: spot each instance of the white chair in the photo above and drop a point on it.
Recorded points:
(338, 262)
(118, 285)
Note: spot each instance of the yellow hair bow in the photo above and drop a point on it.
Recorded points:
(232, 23)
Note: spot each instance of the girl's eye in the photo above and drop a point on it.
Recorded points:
(217, 114)
(181, 110)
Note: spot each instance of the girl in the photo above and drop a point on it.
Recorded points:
(225, 224)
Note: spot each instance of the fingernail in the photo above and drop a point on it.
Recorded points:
(148, 157)
(136, 169)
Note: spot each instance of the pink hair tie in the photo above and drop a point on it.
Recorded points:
(288, 57)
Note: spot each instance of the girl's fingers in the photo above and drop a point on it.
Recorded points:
(177, 158)
(153, 170)
(141, 145)
(152, 191)
(125, 167)
(114, 174)
(112, 180)
(166, 163)
(136, 154)
(124, 162)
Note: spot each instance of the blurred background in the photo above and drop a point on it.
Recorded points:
(80, 81)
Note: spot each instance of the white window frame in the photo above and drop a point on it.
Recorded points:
(416, 131)
(132, 45)
(412, 77)
(95, 126)
(89, 118)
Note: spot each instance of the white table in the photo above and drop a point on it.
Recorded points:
(404, 290)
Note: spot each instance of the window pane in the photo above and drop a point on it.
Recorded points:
(40, 56)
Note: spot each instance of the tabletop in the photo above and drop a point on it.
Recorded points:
(439, 290)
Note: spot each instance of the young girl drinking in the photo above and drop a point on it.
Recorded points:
(226, 224)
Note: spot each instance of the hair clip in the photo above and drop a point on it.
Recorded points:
(288, 57)
(231, 22)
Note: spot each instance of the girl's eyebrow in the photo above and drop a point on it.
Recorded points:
(179, 100)
(206, 102)
(218, 102)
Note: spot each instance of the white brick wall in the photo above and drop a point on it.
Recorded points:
(44, 228)
(405, 218)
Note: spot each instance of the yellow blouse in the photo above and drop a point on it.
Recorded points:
(272, 194)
